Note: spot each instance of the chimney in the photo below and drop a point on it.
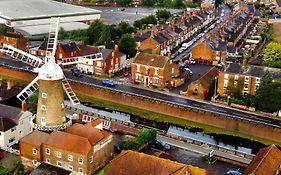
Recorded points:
(23, 106)
(244, 62)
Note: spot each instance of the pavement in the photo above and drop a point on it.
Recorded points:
(114, 15)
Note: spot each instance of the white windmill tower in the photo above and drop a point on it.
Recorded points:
(51, 83)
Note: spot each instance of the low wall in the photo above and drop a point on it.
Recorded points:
(219, 121)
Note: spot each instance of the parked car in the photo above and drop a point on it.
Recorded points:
(109, 83)
(76, 72)
(187, 69)
(161, 146)
(232, 172)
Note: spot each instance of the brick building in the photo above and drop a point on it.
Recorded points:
(267, 161)
(65, 49)
(154, 70)
(14, 39)
(165, 37)
(134, 163)
(63, 149)
(204, 86)
(250, 77)
(112, 60)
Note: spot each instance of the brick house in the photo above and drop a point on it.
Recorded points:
(113, 60)
(65, 49)
(14, 39)
(267, 161)
(153, 70)
(63, 149)
(134, 163)
(249, 75)
(204, 86)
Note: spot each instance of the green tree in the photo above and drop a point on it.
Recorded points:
(138, 24)
(127, 45)
(94, 31)
(18, 168)
(148, 2)
(124, 27)
(62, 34)
(272, 55)
(164, 14)
(3, 171)
(32, 103)
(3, 29)
(178, 3)
(105, 38)
(124, 2)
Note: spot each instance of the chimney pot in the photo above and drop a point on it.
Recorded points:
(23, 106)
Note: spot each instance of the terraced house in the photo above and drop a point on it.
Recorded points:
(223, 41)
(165, 37)
(154, 70)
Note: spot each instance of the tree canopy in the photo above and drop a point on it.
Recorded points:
(163, 14)
(272, 55)
(3, 29)
(105, 38)
(94, 31)
(124, 2)
(127, 45)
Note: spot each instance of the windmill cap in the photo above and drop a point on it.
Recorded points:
(51, 71)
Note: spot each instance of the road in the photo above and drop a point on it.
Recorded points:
(166, 98)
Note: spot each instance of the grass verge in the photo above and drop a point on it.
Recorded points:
(169, 119)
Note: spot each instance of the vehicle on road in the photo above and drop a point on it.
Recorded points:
(76, 72)
(109, 83)
(161, 146)
(187, 69)
(232, 172)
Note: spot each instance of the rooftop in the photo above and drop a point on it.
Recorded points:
(46, 169)
(151, 60)
(267, 161)
(35, 138)
(131, 162)
(206, 80)
(28, 9)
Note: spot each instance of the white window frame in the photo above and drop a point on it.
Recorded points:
(225, 76)
(80, 170)
(70, 167)
(44, 95)
(34, 162)
(80, 160)
(173, 70)
(48, 151)
(48, 161)
(138, 68)
(59, 164)
(34, 151)
(156, 71)
(70, 157)
(43, 107)
(59, 154)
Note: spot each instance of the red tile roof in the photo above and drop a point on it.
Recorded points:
(69, 142)
(266, 162)
(134, 163)
(151, 60)
(35, 138)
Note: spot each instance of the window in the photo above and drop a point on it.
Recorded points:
(34, 162)
(246, 86)
(34, 151)
(80, 160)
(70, 157)
(58, 154)
(138, 68)
(44, 95)
(225, 76)
(155, 80)
(156, 71)
(257, 80)
(59, 164)
(246, 78)
(48, 152)
(43, 120)
(98, 64)
(12, 139)
(62, 106)
(138, 77)
(91, 159)
(147, 70)
(48, 160)
(236, 77)
(70, 167)
(80, 170)
(60, 55)
(173, 70)
(13, 129)
(43, 108)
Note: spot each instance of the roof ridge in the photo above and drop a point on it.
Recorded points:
(258, 165)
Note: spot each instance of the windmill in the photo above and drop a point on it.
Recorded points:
(50, 81)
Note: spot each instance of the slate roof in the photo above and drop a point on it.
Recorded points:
(151, 60)
(178, 30)
(69, 47)
(251, 9)
(47, 169)
(231, 49)
(234, 68)
(9, 117)
(267, 161)
(160, 39)
(134, 163)
(206, 80)
(140, 38)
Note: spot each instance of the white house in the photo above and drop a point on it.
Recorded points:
(14, 124)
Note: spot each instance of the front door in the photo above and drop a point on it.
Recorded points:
(146, 82)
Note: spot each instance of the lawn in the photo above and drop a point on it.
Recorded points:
(169, 119)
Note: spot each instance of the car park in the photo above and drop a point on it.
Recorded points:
(108, 82)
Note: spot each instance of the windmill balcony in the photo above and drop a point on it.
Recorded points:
(63, 126)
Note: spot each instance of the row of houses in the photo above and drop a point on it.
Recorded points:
(165, 37)
(223, 42)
